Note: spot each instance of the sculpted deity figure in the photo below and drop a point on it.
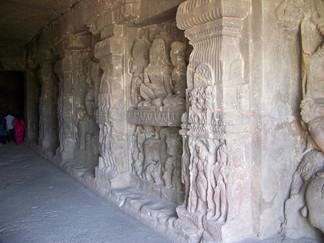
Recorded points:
(219, 183)
(305, 18)
(178, 75)
(198, 196)
(87, 128)
(140, 56)
(185, 158)
(138, 151)
(172, 162)
(107, 161)
(157, 76)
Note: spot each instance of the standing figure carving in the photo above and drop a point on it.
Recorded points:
(88, 130)
(178, 75)
(219, 182)
(142, 133)
(171, 165)
(179, 72)
(185, 158)
(140, 54)
(198, 196)
(107, 161)
(138, 151)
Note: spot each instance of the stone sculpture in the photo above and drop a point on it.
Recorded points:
(172, 163)
(88, 130)
(157, 76)
(219, 182)
(307, 17)
(199, 202)
(158, 99)
(140, 55)
(185, 159)
(107, 161)
(314, 198)
(178, 75)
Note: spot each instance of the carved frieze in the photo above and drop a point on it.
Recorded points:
(160, 117)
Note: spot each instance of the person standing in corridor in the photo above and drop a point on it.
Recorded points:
(3, 130)
(10, 128)
(19, 125)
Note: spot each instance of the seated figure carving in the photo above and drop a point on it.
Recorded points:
(157, 76)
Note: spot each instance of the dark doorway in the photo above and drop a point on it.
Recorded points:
(12, 93)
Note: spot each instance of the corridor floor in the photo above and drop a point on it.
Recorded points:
(40, 203)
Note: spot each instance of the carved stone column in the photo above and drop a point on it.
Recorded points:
(111, 113)
(48, 137)
(31, 102)
(71, 92)
(219, 131)
(63, 69)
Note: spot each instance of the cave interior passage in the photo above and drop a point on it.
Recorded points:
(12, 93)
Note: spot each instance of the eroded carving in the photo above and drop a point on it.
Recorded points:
(157, 76)
(107, 160)
(219, 183)
(158, 90)
(305, 18)
(88, 130)
(156, 156)
(140, 54)
(209, 179)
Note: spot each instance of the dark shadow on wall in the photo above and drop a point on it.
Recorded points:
(12, 93)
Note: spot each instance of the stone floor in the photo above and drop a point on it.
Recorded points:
(40, 203)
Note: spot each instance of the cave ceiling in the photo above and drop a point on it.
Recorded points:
(21, 20)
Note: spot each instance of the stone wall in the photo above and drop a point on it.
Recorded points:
(187, 114)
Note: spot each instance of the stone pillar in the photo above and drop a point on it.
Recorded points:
(31, 103)
(111, 113)
(48, 137)
(63, 68)
(72, 90)
(219, 125)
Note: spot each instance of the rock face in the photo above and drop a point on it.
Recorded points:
(306, 19)
(200, 117)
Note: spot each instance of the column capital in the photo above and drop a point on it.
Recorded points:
(193, 13)
(113, 45)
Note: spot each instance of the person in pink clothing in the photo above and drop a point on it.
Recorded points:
(19, 125)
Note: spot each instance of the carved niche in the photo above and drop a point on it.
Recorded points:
(303, 21)
(157, 95)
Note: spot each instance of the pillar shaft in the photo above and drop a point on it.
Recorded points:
(218, 130)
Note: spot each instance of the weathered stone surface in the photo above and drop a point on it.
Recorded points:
(202, 118)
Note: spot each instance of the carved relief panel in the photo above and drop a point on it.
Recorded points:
(157, 95)
(302, 22)
(87, 128)
(216, 121)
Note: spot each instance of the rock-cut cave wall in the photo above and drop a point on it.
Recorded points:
(200, 117)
